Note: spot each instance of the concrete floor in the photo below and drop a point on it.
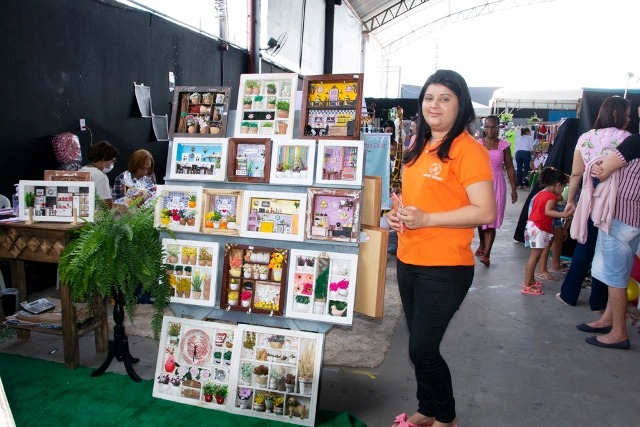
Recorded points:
(516, 360)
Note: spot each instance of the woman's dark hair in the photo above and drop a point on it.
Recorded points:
(525, 131)
(138, 160)
(392, 125)
(456, 83)
(612, 113)
(552, 176)
(102, 150)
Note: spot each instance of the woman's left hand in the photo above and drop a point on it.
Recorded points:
(412, 217)
(514, 196)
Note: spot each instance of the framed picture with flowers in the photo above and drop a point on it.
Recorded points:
(266, 105)
(222, 211)
(273, 215)
(200, 112)
(249, 160)
(254, 279)
(202, 159)
(322, 286)
(179, 208)
(333, 214)
(340, 162)
(292, 162)
(192, 268)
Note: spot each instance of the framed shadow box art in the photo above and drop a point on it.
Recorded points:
(292, 162)
(331, 106)
(322, 286)
(266, 104)
(254, 279)
(272, 215)
(333, 214)
(200, 111)
(192, 271)
(222, 211)
(198, 159)
(178, 208)
(56, 201)
(249, 160)
(340, 163)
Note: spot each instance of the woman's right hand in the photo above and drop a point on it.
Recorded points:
(392, 218)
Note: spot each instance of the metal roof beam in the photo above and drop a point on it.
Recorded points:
(391, 13)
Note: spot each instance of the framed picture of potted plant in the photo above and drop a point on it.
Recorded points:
(222, 211)
(179, 208)
(266, 104)
(331, 106)
(56, 201)
(322, 286)
(201, 259)
(273, 215)
(254, 279)
(333, 214)
(340, 163)
(292, 162)
(200, 111)
(249, 160)
(202, 159)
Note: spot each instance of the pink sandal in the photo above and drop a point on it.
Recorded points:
(531, 290)
(401, 421)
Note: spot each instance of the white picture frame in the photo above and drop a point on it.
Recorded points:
(333, 214)
(178, 200)
(273, 215)
(198, 159)
(55, 201)
(297, 156)
(339, 306)
(340, 162)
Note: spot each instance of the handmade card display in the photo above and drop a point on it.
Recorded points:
(331, 106)
(200, 112)
(222, 211)
(292, 162)
(249, 160)
(198, 159)
(254, 371)
(192, 271)
(273, 215)
(322, 286)
(333, 215)
(266, 104)
(56, 201)
(253, 279)
(340, 162)
(179, 208)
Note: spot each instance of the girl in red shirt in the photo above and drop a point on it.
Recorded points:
(539, 229)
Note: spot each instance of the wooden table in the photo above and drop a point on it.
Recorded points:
(44, 242)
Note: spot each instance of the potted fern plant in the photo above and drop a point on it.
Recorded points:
(112, 257)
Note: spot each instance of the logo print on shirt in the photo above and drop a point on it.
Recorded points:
(434, 171)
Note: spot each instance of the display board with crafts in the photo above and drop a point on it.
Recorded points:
(56, 201)
(256, 371)
(200, 111)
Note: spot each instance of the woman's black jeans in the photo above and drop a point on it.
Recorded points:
(523, 158)
(430, 297)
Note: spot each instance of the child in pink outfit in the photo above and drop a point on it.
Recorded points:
(539, 230)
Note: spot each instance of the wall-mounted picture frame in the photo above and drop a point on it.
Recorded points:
(57, 201)
(266, 105)
(203, 159)
(331, 106)
(178, 208)
(292, 162)
(273, 215)
(249, 160)
(333, 214)
(322, 286)
(221, 211)
(254, 279)
(192, 267)
(200, 111)
(340, 163)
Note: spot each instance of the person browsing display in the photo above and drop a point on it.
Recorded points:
(447, 190)
(136, 181)
(102, 157)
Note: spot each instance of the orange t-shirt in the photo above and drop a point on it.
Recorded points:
(436, 186)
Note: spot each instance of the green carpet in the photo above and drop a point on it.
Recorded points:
(46, 393)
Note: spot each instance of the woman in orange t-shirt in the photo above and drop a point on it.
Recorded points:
(447, 190)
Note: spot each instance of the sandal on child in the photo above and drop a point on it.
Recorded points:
(537, 284)
(531, 290)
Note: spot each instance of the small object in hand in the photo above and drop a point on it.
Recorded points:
(400, 206)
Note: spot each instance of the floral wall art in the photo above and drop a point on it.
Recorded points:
(179, 208)
(222, 211)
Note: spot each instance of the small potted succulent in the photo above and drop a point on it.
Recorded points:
(216, 219)
(253, 127)
(227, 357)
(283, 108)
(267, 128)
(244, 127)
(271, 102)
(271, 88)
(220, 392)
(246, 102)
(208, 389)
(231, 222)
(187, 270)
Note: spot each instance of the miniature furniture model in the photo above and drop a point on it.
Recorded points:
(44, 242)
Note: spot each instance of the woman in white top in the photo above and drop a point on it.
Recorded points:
(524, 147)
(102, 157)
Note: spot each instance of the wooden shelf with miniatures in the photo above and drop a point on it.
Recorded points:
(254, 279)
(200, 111)
(331, 106)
